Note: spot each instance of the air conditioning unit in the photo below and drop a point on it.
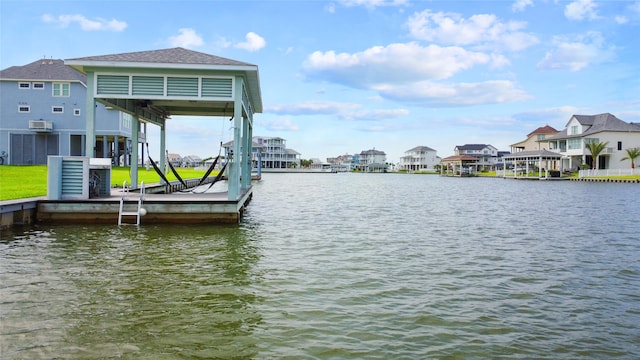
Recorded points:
(40, 125)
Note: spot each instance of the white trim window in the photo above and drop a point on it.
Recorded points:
(61, 89)
(38, 86)
(57, 109)
(24, 85)
(24, 109)
(76, 112)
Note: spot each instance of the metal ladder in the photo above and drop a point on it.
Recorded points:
(125, 198)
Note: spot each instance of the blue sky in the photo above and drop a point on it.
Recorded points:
(345, 76)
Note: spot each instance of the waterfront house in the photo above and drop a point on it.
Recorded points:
(342, 163)
(582, 129)
(42, 113)
(271, 151)
(535, 140)
(372, 161)
(419, 158)
(486, 155)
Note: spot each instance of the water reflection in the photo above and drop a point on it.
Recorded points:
(154, 290)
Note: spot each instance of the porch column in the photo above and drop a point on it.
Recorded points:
(105, 146)
(540, 166)
(247, 153)
(234, 166)
(134, 152)
(163, 137)
(90, 121)
(116, 149)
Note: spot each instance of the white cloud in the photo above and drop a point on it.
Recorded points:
(578, 52)
(481, 30)
(580, 10)
(187, 38)
(346, 111)
(621, 19)
(376, 114)
(554, 116)
(395, 63)
(371, 4)
(428, 93)
(283, 124)
(254, 42)
(85, 24)
(521, 5)
(313, 108)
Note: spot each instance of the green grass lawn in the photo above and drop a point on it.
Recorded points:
(18, 182)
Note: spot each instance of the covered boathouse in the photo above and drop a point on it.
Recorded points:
(152, 86)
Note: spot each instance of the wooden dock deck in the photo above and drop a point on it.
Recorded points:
(173, 208)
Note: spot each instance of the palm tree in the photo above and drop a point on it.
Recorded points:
(595, 148)
(632, 154)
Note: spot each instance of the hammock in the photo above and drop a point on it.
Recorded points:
(175, 173)
(216, 179)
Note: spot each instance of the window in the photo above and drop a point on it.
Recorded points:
(24, 85)
(574, 130)
(574, 144)
(24, 108)
(76, 112)
(619, 145)
(61, 89)
(57, 109)
(38, 86)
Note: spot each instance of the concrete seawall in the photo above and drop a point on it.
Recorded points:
(18, 212)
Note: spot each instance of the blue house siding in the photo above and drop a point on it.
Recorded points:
(34, 123)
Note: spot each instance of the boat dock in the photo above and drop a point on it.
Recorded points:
(159, 208)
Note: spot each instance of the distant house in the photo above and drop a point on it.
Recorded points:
(372, 161)
(42, 110)
(272, 152)
(342, 163)
(582, 129)
(192, 161)
(486, 155)
(419, 158)
(174, 159)
(535, 140)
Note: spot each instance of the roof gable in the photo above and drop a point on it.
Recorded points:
(472, 146)
(43, 70)
(543, 130)
(176, 55)
(420, 148)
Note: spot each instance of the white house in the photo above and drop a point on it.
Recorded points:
(419, 158)
(487, 155)
(372, 161)
(583, 129)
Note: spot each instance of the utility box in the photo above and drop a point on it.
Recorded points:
(78, 177)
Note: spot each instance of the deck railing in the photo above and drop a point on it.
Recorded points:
(608, 172)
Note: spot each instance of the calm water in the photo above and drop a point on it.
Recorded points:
(341, 266)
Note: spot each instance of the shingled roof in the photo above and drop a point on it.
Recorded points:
(597, 123)
(543, 130)
(176, 55)
(421, 148)
(43, 70)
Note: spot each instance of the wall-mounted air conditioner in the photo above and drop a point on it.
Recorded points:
(41, 125)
